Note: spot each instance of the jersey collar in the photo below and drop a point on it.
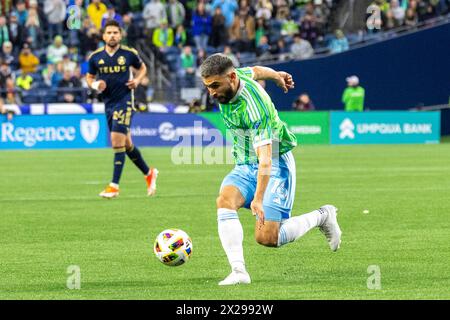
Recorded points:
(120, 47)
(238, 93)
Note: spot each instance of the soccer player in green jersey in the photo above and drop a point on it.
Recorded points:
(264, 177)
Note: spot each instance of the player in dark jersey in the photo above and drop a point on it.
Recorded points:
(112, 64)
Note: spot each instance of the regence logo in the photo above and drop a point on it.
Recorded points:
(30, 136)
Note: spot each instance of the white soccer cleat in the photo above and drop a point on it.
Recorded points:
(330, 227)
(236, 277)
(109, 192)
(151, 181)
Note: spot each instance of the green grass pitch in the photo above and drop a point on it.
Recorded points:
(51, 218)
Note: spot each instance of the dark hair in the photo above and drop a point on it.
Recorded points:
(111, 23)
(215, 65)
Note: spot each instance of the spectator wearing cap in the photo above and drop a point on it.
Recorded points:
(57, 50)
(111, 14)
(27, 60)
(55, 10)
(353, 96)
(95, 11)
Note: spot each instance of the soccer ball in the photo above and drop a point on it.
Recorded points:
(173, 247)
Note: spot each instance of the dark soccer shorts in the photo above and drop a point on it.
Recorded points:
(119, 116)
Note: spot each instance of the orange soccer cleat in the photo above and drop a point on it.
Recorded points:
(151, 181)
(109, 192)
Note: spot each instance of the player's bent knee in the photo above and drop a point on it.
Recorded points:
(224, 202)
(267, 240)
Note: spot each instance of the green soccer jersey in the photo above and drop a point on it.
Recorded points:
(252, 121)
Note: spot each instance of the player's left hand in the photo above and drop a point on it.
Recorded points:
(133, 84)
(285, 81)
(257, 209)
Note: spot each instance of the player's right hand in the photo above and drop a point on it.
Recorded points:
(101, 85)
(257, 210)
(285, 81)
(98, 85)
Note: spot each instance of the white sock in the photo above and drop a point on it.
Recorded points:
(295, 227)
(231, 235)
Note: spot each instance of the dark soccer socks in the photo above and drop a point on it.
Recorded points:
(135, 155)
(119, 162)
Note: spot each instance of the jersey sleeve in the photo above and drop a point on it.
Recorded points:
(136, 60)
(92, 67)
(247, 71)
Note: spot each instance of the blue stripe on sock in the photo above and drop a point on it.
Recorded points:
(227, 216)
(283, 236)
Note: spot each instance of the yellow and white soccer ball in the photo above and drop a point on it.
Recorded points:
(173, 247)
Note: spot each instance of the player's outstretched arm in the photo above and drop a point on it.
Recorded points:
(282, 79)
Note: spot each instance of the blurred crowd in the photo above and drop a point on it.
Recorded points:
(45, 47)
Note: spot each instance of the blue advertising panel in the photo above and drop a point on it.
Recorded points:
(174, 130)
(53, 132)
(385, 127)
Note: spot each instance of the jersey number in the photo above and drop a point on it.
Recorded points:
(122, 118)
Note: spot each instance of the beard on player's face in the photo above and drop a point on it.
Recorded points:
(226, 96)
(112, 43)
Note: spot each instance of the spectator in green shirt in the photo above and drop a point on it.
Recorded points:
(354, 94)
(188, 66)
(163, 36)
